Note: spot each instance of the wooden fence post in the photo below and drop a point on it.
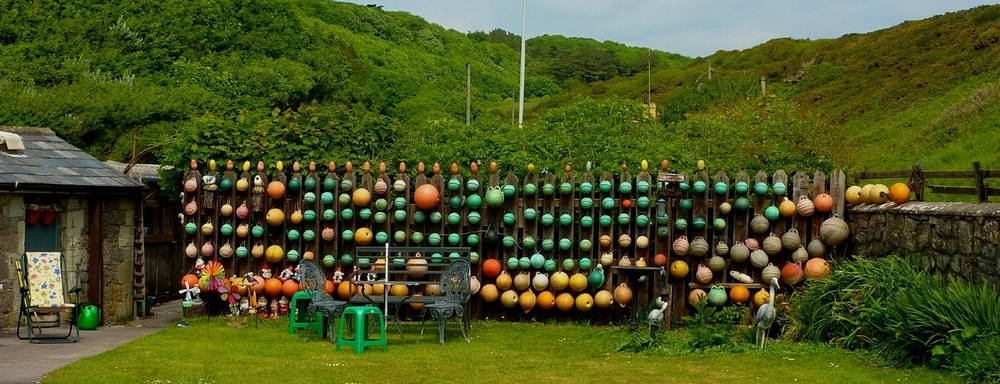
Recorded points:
(980, 185)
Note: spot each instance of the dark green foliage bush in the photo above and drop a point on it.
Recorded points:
(908, 317)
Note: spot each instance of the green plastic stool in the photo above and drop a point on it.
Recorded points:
(361, 340)
(299, 319)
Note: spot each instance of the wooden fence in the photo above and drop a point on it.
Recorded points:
(550, 214)
(917, 179)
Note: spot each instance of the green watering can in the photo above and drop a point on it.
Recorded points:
(88, 318)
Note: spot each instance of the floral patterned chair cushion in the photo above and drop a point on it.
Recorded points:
(45, 280)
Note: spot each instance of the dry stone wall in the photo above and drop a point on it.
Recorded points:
(958, 240)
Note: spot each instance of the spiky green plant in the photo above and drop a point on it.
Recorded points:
(848, 307)
(905, 315)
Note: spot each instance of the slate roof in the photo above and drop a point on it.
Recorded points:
(48, 163)
(145, 173)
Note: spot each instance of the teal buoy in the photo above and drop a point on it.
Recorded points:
(742, 188)
(608, 203)
(779, 189)
(721, 189)
(642, 186)
(548, 219)
(699, 187)
(474, 201)
(548, 245)
(698, 223)
(625, 187)
(604, 186)
(760, 188)
(530, 189)
(530, 214)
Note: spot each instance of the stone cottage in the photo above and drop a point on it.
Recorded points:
(55, 197)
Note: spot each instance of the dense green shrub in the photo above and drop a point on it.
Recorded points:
(907, 316)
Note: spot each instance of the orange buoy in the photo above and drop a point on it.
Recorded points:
(426, 197)
(329, 287)
(273, 287)
(565, 302)
(363, 236)
(491, 268)
(190, 279)
(899, 193)
(346, 289)
(823, 203)
(276, 190)
(289, 287)
(546, 300)
(739, 294)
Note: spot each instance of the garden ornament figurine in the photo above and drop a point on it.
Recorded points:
(656, 318)
(338, 276)
(265, 271)
(765, 316)
(188, 292)
(287, 273)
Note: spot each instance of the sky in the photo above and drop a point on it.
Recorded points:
(694, 28)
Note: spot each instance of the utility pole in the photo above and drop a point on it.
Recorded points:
(520, 114)
(513, 107)
(468, 94)
(649, 75)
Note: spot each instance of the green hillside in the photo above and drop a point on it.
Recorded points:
(309, 79)
(921, 92)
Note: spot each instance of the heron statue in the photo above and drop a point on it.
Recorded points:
(656, 318)
(765, 316)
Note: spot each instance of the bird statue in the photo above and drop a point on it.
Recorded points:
(765, 316)
(656, 317)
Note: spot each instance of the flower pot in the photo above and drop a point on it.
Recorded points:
(48, 217)
(32, 216)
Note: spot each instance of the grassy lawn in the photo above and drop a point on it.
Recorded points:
(215, 352)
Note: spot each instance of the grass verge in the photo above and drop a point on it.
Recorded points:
(214, 352)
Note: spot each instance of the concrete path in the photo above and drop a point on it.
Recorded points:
(23, 362)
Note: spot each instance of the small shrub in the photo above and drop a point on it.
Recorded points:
(978, 361)
(712, 327)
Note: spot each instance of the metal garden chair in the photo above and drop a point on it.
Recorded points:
(455, 287)
(312, 281)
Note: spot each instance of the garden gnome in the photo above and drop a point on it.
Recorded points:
(265, 272)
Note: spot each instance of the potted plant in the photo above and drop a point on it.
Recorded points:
(48, 213)
(32, 214)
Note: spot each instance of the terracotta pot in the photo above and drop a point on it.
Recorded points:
(32, 216)
(48, 217)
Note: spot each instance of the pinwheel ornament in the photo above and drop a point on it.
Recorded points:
(213, 276)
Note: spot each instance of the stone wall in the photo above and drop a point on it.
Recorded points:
(118, 231)
(958, 240)
(11, 248)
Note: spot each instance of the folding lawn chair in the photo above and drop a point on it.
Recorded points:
(42, 277)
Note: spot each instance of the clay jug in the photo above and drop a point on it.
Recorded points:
(792, 273)
(704, 274)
